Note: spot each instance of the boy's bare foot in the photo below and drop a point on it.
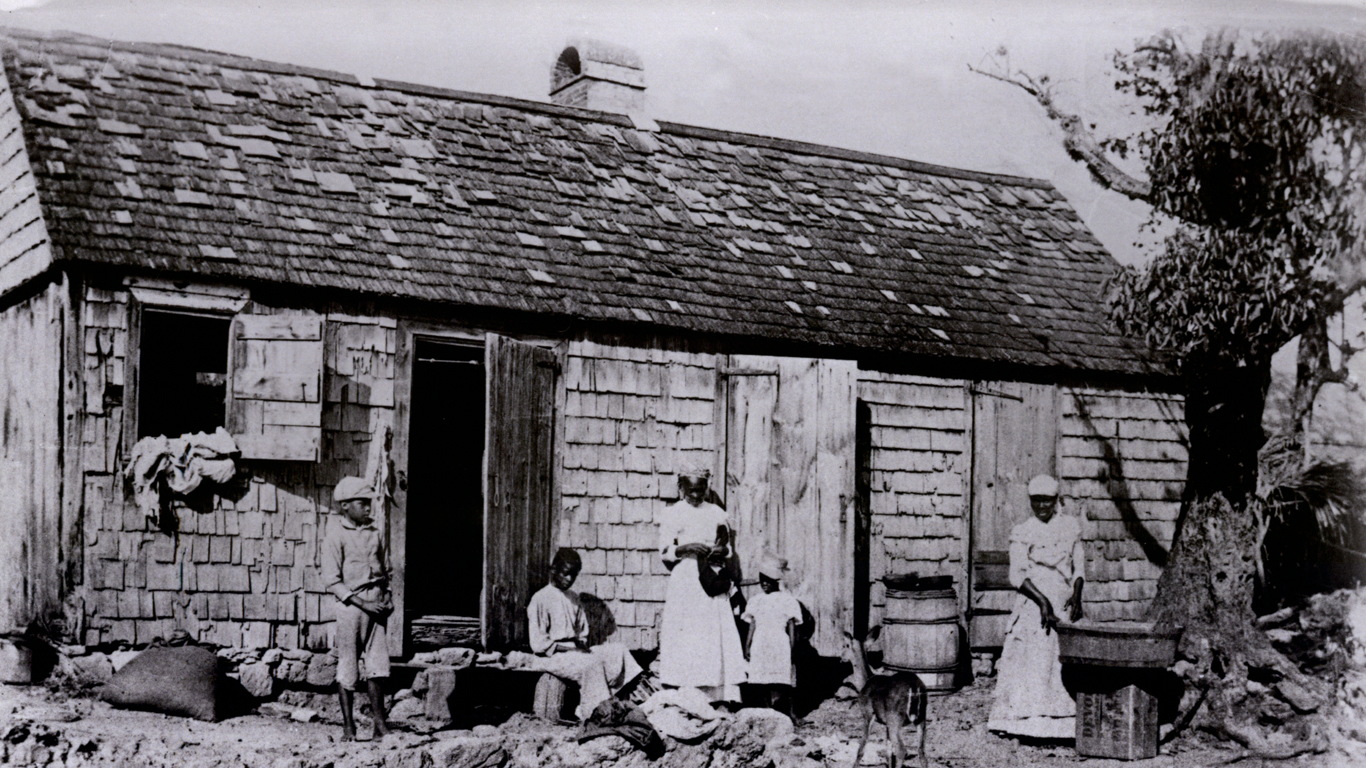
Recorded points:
(380, 729)
(348, 734)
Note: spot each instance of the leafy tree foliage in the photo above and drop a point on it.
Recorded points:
(1256, 149)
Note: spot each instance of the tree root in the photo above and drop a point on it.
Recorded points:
(1256, 745)
(1184, 720)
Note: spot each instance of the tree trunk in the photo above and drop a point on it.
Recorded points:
(1207, 586)
(1312, 369)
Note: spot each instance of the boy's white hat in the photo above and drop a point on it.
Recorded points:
(1043, 485)
(349, 488)
(694, 471)
(773, 567)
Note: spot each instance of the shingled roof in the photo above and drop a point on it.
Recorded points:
(185, 161)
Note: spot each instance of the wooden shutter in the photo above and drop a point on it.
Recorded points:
(275, 393)
(790, 428)
(518, 489)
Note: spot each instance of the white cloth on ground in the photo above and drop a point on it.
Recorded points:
(770, 652)
(1030, 699)
(557, 616)
(682, 713)
(699, 645)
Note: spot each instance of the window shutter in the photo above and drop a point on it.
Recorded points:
(275, 394)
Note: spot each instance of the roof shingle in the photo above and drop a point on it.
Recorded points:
(196, 162)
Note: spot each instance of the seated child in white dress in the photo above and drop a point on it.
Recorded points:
(774, 618)
(558, 630)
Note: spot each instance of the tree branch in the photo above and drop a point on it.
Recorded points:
(1080, 144)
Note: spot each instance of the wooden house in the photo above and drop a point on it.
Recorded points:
(523, 317)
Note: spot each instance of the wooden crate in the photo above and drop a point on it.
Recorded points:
(1120, 724)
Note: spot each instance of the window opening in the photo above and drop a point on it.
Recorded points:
(182, 373)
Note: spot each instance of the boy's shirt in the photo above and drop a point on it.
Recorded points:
(555, 615)
(353, 558)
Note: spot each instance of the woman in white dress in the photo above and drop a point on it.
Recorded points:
(699, 645)
(1046, 565)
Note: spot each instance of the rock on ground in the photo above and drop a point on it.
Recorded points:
(322, 670)
(256, 678)
(470, 752)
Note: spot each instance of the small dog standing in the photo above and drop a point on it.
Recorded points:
(894, 700)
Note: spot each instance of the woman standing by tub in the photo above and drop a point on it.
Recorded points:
(699, 645)
(1046, 566)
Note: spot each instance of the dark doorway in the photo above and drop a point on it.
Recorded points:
(182, 372)
(863, 521)
(445, 547)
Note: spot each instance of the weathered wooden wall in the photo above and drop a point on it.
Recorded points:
(1122, 461)
(789, 479)
(629, 415)
(244, 572)
(632, 417)
(31, 541)
(1120, 456)
(919, 469)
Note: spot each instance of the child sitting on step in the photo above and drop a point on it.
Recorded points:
(558, 628)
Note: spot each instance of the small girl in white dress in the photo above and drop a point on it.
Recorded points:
(773, 619)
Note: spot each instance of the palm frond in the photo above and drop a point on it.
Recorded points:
(1290, 488)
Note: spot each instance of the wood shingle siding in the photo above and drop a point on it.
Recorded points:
(1123, 456)
(25, 249)
(239, 572)
(918, 478)
(632, 417)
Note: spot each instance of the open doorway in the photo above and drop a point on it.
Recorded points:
(444, 550)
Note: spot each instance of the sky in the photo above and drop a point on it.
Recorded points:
(887, 76)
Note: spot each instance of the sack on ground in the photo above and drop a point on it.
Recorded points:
(175, 681)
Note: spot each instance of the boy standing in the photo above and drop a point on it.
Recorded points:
(355, 569)
(559, 637)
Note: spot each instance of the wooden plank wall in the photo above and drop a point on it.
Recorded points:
(30, 474)
(920, 464)
(632, 416)
(1122, 461)
(789, 454)
(244, 571)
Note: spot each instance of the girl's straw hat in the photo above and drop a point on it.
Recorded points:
(773, 567)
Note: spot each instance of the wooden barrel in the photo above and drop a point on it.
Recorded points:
(920, 634)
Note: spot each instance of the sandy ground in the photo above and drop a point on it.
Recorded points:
(42, 727)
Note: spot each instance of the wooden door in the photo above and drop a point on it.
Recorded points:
(790, 479)
(519, 488)
(1015, 437)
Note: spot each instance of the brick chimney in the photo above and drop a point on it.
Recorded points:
(601, 76)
